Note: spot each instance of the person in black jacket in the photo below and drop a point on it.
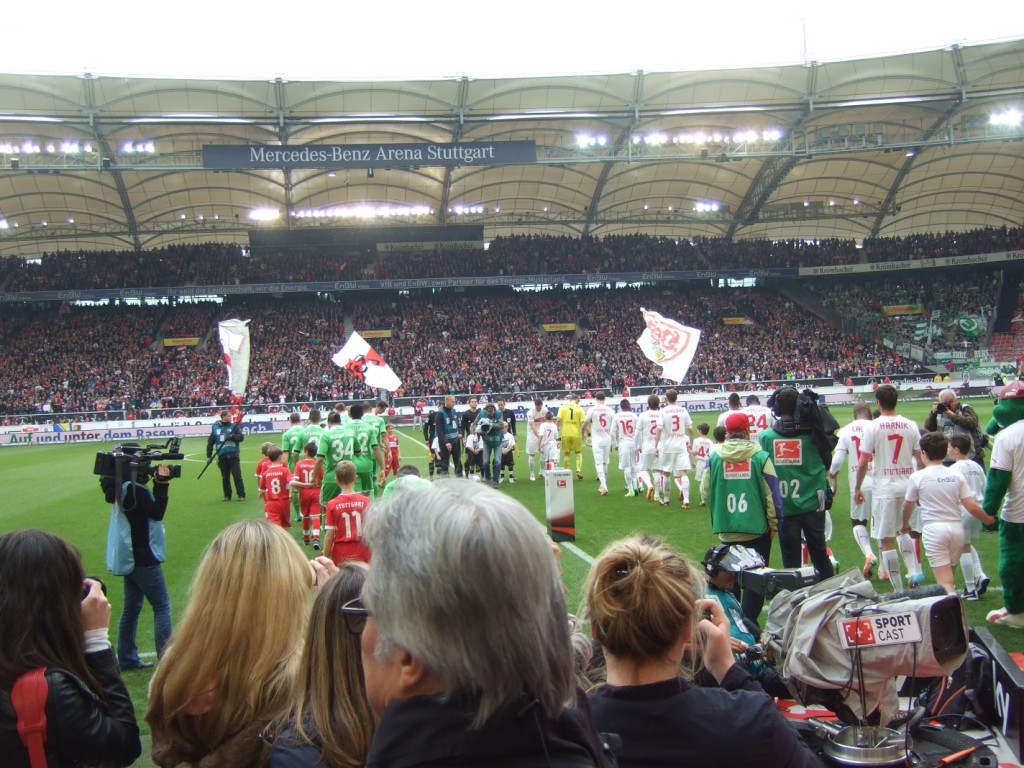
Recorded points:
(45, 621)
(462, 670)
(449, 437)
(643, 602)
(224, 439)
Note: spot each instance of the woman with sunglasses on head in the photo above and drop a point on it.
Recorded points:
(232, 660)
(53, 617)
(645, 604)
(329, 722)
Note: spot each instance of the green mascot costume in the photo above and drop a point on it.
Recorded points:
(1004, 492)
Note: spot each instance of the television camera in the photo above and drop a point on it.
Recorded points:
(137, 463)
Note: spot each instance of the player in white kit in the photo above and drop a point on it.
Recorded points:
(890, 448)
(598, 424)
(760, 417)
(535, 419)
(702, 447)
(623, 432)
(850, 438)
(976, 581)
(672, 448)
(646, 431)
(549, 447)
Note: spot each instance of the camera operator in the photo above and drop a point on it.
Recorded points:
(799, 447)
(224, 438)
(722, 565)
(951, 417)
(136, 547)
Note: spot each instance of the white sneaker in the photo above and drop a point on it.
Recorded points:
(512, 481)
(533, 478)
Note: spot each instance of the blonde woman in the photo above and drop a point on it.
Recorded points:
(232, 660)
(329, 722)
(645, 604)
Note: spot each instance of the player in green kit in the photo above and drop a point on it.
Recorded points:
(335, 446)
(374, 418)
(363, 441)
(293, 450)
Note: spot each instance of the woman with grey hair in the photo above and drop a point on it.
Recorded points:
(462, 666)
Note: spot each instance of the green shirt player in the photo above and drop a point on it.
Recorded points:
(291, 445)
(311, 433)
(332, 449)
(355, 441)
(374, 419)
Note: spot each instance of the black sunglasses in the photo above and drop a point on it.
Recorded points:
(355, 615)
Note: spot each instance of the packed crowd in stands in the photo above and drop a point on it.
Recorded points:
(64, 359)
(861, 302)
(225, 264)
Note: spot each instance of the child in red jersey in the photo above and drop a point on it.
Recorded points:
(345, 513)
(276, 488)
(263, 464)
(307, 481)
(392, 454)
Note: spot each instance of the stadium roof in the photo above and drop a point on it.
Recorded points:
(883, 146)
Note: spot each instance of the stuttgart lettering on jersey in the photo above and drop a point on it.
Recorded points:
(737, 470)
(788, 452)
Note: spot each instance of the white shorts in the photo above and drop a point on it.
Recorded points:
(602, 453)
(646, 461)
(943, 543)
(702, 467)
(627, 455)
(673, 462)
(886, 518)
(550, 452)
(532, 444)
(861, 512)
(972, 527)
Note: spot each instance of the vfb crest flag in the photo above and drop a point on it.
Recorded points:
(363, 362)
(668, 343)
(234, 340)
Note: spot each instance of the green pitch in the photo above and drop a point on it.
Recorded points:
(53, 488)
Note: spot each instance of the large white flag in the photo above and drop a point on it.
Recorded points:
(363, 362)
(668, 343)
(234, 340)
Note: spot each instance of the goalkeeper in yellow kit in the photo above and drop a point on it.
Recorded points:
(570, 427)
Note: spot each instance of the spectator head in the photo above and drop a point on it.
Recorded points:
(641, 598)
(329, 690)
(250, 563)
(443, 618)
(934, 445)
(886, 396)
(345, 473)
(40, 594)
(408, 470)
(737, 426)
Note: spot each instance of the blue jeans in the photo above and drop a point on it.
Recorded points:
(492, 463)
(143, 583)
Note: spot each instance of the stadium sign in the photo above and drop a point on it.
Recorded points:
(264, 157)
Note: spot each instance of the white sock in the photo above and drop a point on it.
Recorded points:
(891, 562)
(967, 566)
(860, 533)
(644, 477)
(602, 478)
(979, 569)
(686, 489)
(906, 544)
(530, 461)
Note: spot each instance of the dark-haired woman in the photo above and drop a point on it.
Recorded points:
(45, 622)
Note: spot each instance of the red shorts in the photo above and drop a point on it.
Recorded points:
(393, 459)
(309, 502)
(279, 512)
(349, 550)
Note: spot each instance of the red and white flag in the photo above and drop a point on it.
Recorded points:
(234, 340)
(363, 362)
(668, 343)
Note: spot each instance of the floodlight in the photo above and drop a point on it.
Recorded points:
(1010, 118)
